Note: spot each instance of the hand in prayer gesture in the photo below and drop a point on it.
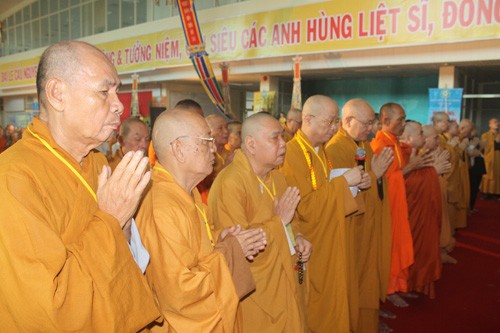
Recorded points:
(119, 193)
(418, 161)
(285, 207)
(441, 161)
(354, 176)
(464, 143)
(454, 141)
(366, 181)
(303, 246)
(381, 162)
(252, 241)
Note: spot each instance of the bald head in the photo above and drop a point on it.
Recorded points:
(218, 129)
(465, 128)
(392, 117)
(357, 119)
(428, 130)
(412, 135)
(134, 135)
(254, 125)
(189, 105)
(320, 119)
(293, 120)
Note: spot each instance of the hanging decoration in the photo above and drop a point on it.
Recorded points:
(134, 103)
(225, 89)
(198, 55)
(297, 91)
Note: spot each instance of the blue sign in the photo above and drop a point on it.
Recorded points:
(445, 100)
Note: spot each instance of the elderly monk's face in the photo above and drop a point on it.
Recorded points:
(199, 148)
(136, 139)
(360, 126)
(417, 139)
(443, 124)
(397, 121)
(234, 139)
(270, 146)
(220, 131)
(93, 107)
(464, 129)
(293, 121)
(326, 123)
(431, 141)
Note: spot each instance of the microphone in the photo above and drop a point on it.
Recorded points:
(360, 156)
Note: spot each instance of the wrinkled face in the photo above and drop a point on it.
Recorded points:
(220, 131)
(234, 139)
(493, 124)
(293, 121)
(417, 140)
(431, 142)
(92, 108)
(199, 149)
(453, 128)
(442, 125)
(397, 122)
(136, 139)
(326, 123)
(360, 127)
(270, 147)
(464, 129)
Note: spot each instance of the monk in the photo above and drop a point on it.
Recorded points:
(368, 231)
(251, 193)
(424, 215)
(490, 185)
(292, 124)
(197, 276)
(392, 117)
(233, 141)
(65, 257)
(321, 212)
(134, 136)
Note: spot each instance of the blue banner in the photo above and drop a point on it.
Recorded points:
(445, 100)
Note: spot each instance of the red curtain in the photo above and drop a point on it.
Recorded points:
(145, 98)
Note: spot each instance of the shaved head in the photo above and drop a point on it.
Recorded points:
(412, 135)
(253, 125)
(320, 119)
(428, 130)
(392, 117)
(357, 119)
(318, 105)
(430, 137)
(189, 105)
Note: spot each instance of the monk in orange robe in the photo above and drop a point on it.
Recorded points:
(393, 117)
(292, 124)
(134, 136)
(66, 220)
(322, 209)
(368, 231)
(490, 183)
(424, 215)
(249, 192)
(233, 141)
(197, 276)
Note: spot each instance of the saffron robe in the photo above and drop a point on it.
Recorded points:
(287, 134)
(490, 183)
(115, 159)
(447, 241)
(368, 238)
(191, 282)
(321, 214)
(65, 264)
(425, 215)
(402, 248)
(237, 197)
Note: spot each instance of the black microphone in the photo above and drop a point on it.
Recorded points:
(361, 157)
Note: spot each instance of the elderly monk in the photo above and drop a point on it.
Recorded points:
(321, 211)
(66, 264)
(490, 184)
(424, 215)
(250, 192)
(392, 117)
(197, 276)
(292, 124)
(134, 136)
(233, 141)
(369, 230)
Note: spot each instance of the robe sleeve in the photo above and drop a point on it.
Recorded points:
(55, 282)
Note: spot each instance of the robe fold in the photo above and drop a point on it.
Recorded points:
(367, 260)
(191, 282)
(402, 246)
(237, 197)
(321, 215)
(425, 221)
(490, 183)
(65, 264)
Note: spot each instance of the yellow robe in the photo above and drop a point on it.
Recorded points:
(237, 197)
(65, 264)
(446, 239)
(490, 183)
(322, 220)
(192, 283)
(115, 159)
(368, 234)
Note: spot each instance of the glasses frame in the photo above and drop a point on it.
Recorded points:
(210, 139)
(335, 121)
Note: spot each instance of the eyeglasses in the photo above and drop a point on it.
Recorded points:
(203, 139)
(365, 123)
(328, 123)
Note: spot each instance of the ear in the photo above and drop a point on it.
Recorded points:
(250, 144)
(55, 90)
(177, 151)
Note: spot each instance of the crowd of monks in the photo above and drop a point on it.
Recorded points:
(306, 225)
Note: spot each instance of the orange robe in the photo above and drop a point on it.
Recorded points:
(490, 183)
(237, 197)
(115, 159)
(192, 283)
(368, 234)
(402, 248)
(322, 214)
(425, 215)
(447, 241)
(65, 264)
